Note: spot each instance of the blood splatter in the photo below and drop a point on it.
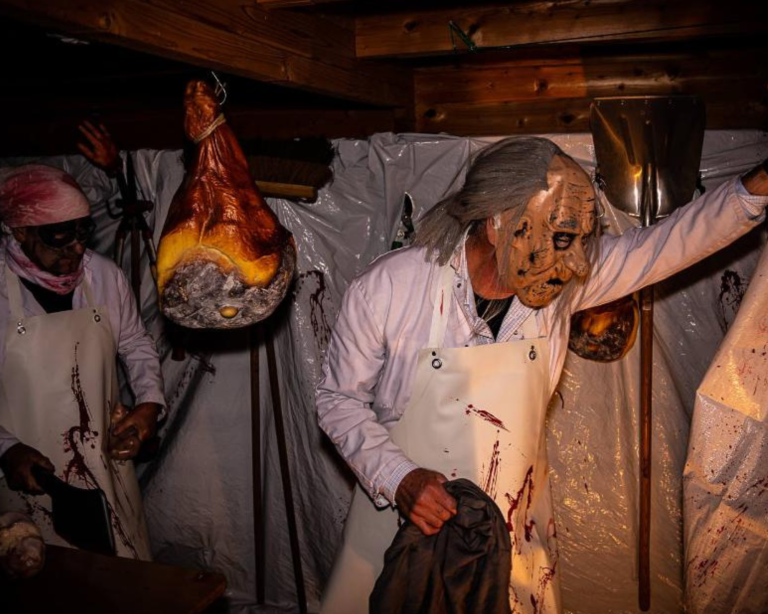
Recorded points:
(731, 293)
(83, 432)
(491, 478)
(515, 598)
(514, 506)
(545, 577)
(705, 570)
(78, 465)
(33, 508)
(317, 319)
(485, 415)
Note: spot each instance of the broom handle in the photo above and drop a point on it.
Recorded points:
(256, 339)
(646, 373)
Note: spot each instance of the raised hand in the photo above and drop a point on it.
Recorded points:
(100, 150)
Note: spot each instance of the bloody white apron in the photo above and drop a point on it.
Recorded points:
(57, 386)
(477, 413)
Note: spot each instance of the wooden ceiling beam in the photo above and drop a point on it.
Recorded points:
(163, 128)
(429, 32)
(566, 115)
(234, 36)
(736, 73)
(507, 97)
(292, 4)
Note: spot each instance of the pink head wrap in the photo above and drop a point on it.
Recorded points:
(34, 195)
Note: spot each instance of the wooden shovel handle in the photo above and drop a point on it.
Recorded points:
(646, 373)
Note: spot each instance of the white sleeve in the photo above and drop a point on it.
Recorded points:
(136, 349)
(351, 370)
(644, 256)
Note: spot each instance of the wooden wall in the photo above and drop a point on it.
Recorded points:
(348, 68)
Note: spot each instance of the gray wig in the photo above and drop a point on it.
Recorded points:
(502, 176)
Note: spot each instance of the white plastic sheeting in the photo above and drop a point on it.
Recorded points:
(198, 492)
(726, 476)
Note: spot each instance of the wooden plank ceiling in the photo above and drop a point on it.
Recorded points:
(342, 68)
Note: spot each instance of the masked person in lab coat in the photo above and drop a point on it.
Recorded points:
(445, 354)
(66, 313)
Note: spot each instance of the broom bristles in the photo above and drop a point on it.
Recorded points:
(297, 161)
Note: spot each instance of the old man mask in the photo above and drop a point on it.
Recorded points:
(548, 244)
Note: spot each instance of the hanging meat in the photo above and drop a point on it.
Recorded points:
(224, 259)
(605, 333)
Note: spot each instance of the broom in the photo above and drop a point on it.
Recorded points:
(294, 169)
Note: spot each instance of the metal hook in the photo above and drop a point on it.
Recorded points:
(219, 89)
(454, 27)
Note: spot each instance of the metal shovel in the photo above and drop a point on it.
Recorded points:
(648, 151)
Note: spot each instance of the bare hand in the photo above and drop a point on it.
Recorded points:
(756, 181)
(130, 428)
(17, 463)
(423, 500)
(102, 151)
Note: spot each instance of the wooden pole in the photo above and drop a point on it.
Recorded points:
(646, 414)
(255, 339)
(649, 209)
(285, 474)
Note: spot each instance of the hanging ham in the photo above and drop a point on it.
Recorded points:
(224, 259)
(605, 333)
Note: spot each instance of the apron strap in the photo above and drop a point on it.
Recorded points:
(14, 293)
(529, 327)
(87, 291)
(443, 297)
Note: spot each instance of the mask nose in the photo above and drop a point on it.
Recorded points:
(576, 259)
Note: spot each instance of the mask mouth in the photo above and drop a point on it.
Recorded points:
(555, 282)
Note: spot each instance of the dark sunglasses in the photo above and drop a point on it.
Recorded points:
(63, 234)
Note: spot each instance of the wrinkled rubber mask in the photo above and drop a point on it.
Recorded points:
(550, 239)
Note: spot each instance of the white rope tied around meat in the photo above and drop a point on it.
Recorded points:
(209, 130)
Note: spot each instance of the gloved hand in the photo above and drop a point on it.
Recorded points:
(17, 463)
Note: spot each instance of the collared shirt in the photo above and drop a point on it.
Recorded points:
(386, 312)
(135, 346)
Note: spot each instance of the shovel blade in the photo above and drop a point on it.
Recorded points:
(648, 150)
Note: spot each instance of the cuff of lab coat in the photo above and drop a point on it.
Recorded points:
(159, 401)
(754, 206)
(386, 493)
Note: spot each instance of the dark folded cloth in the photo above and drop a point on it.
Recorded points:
(465, 568)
